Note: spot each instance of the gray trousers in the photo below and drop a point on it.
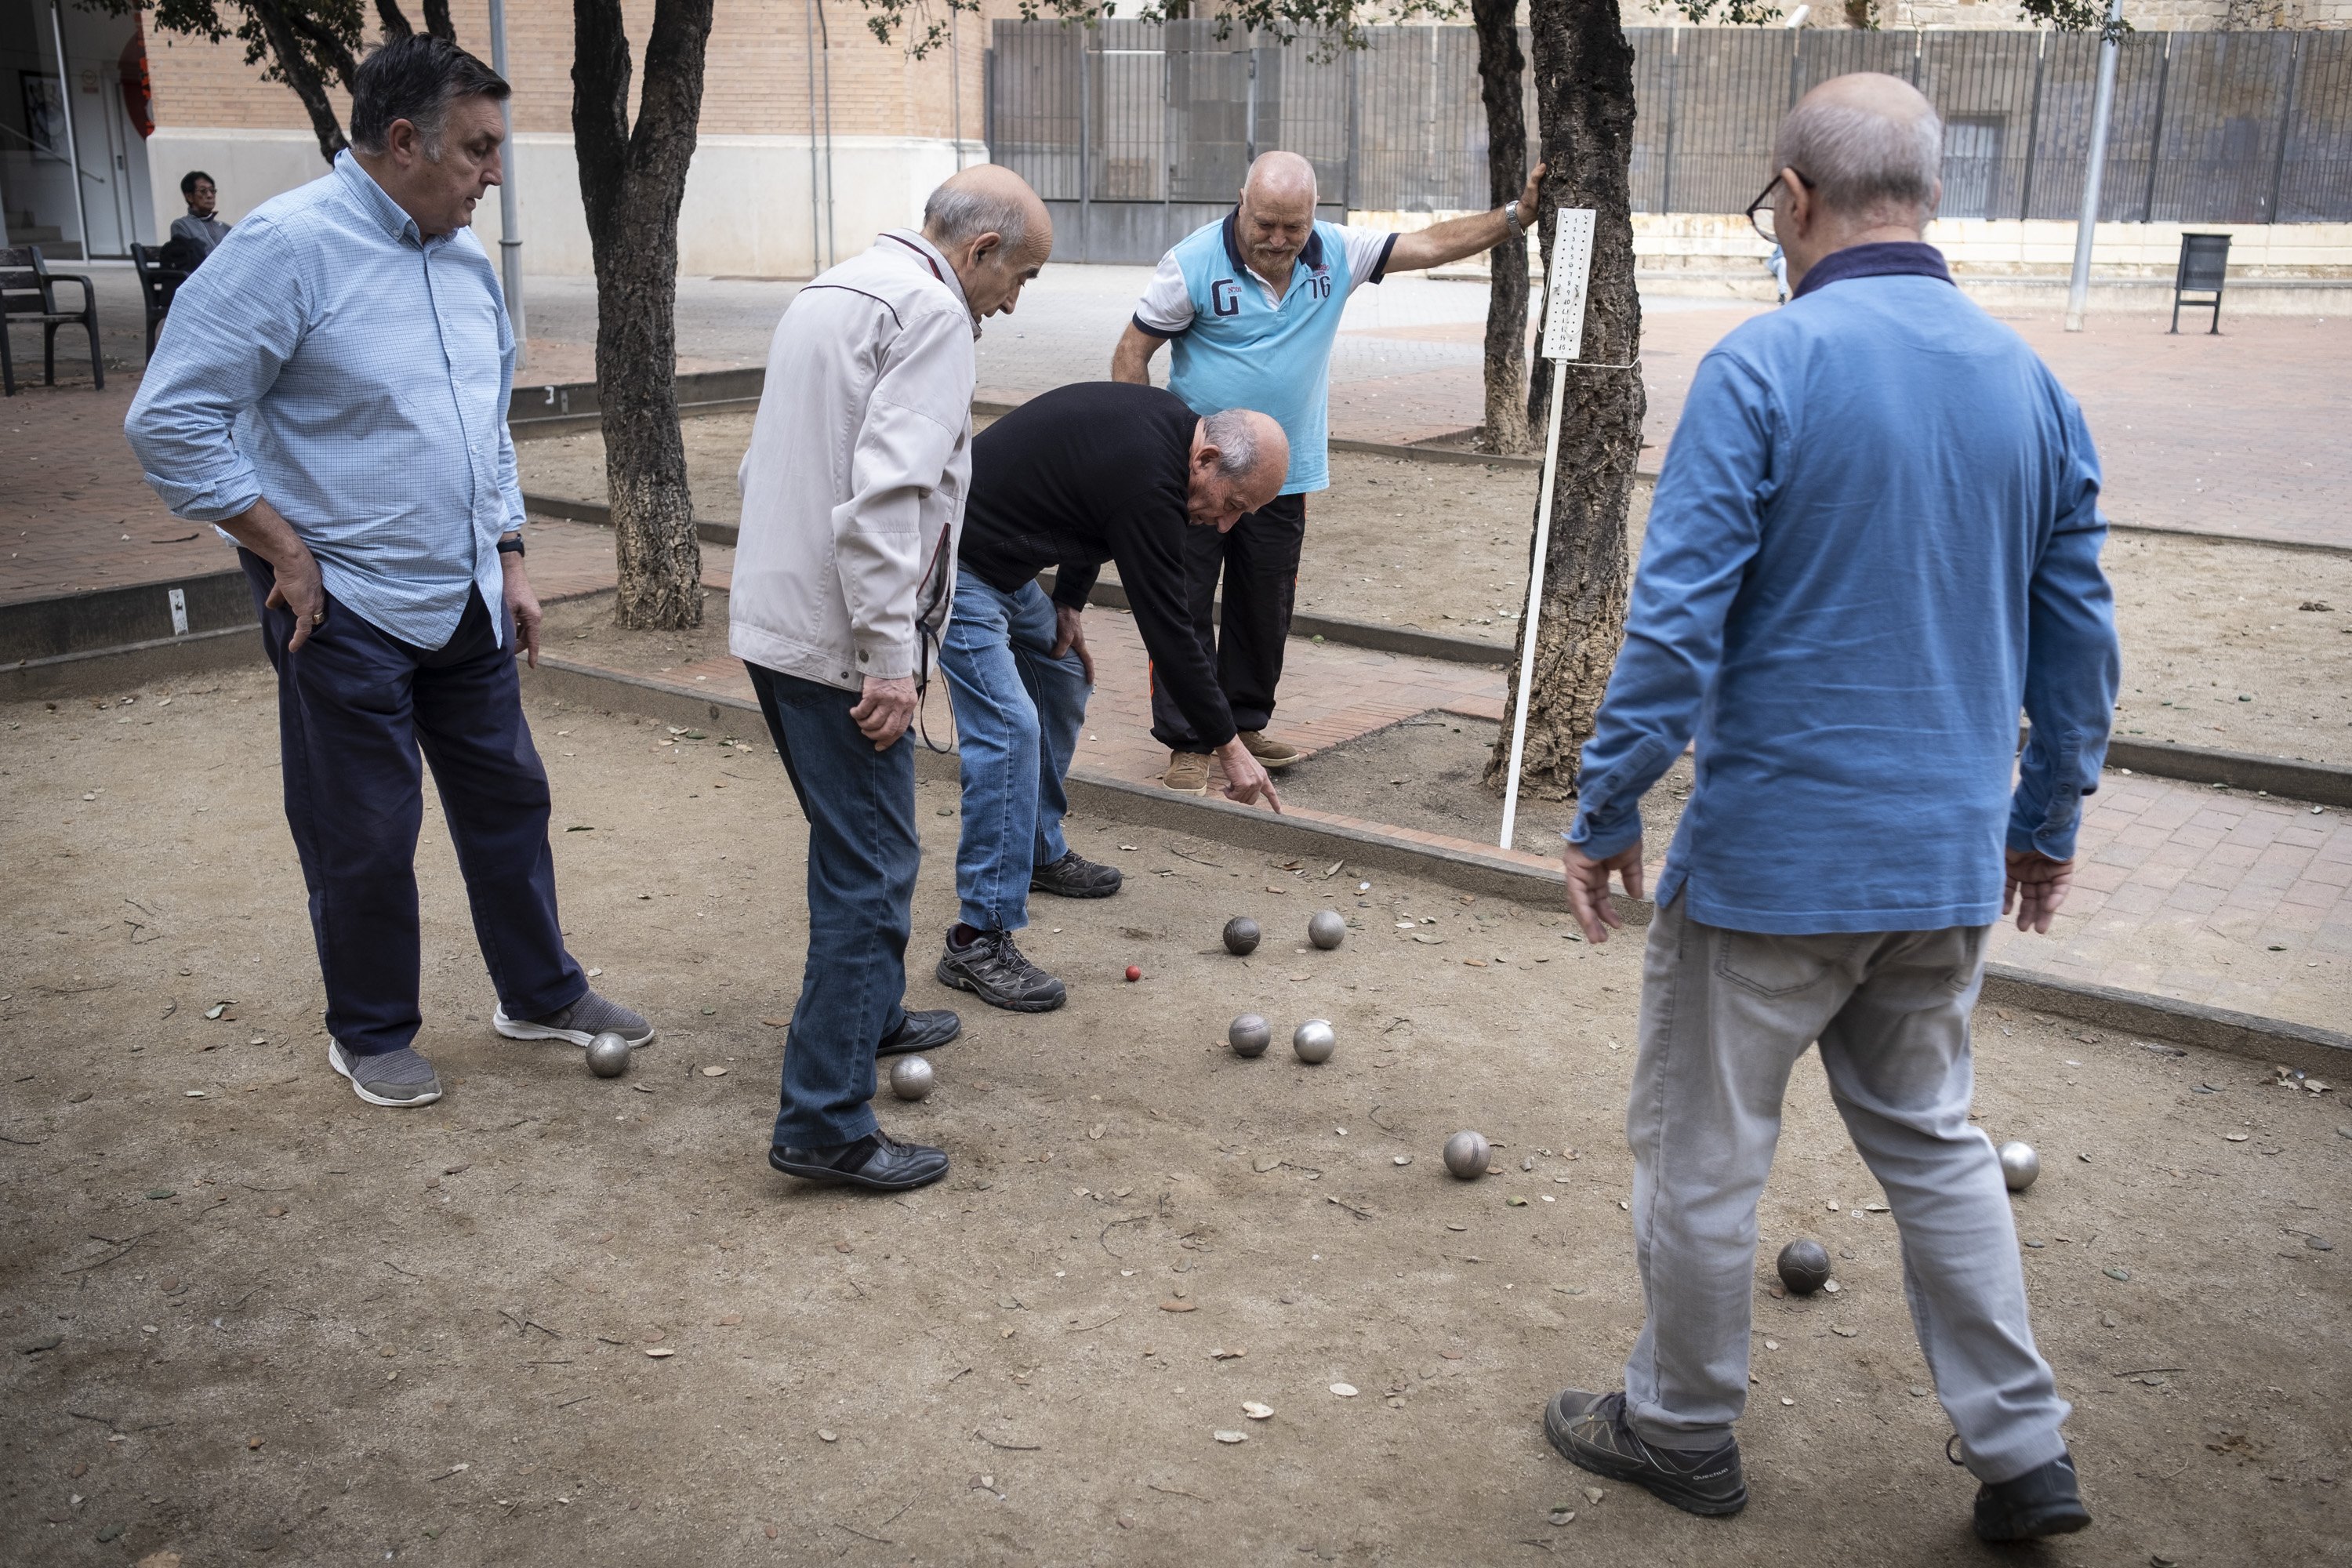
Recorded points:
(1725, 1015)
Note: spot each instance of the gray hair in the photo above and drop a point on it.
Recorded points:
(415, 78)
(1229, 432)
(956, 213)
(1862, 162)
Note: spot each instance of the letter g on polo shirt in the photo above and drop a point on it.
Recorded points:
(1237, 346)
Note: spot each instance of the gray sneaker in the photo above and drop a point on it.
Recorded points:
(579, 1024)
(400, 1079)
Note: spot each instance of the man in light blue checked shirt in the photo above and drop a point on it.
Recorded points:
(331, 391)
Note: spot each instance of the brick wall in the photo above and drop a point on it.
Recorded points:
(756, 82)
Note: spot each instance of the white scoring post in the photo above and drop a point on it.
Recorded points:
(1564, 341)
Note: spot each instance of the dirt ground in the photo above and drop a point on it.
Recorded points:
(249, 1319)
(2221, 646)
(1425, 774)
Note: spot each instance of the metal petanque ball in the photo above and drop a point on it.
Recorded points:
(1250, 1035)
(608, 1055)
(1328, 930)
(910, 1078)
(1241, 936)
(1804, 1266)
(1314, 1041)
(2018, 1164)
(1467, 1155)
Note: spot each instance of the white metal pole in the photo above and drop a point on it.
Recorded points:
(510, 199)
(1564, 341)
(1534, 602)
(66, 109)
(2078, 288)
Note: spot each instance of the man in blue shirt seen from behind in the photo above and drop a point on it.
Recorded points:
(332, 395)
(1875, 539)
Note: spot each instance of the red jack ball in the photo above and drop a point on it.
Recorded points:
(1134, 972)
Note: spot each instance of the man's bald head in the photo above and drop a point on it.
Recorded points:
(1240, 458)
(1870, 147)
(988, 198)
(1278, 213)
(994, 231)
(1280, 177)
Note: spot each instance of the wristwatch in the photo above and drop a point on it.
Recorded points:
(1511, 216)
(512, 546)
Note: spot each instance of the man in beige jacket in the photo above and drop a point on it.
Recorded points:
(852, 498)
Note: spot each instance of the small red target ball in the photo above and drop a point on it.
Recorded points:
(1134, 972)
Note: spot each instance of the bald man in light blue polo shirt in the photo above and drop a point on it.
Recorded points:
(1252, 303)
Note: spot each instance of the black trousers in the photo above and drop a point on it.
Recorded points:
(356, 706)
(1259, 563)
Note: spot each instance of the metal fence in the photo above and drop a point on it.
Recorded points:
(2207, 128)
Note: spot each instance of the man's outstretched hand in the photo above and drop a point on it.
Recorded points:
(2036, 887)
(1587, 887)
(1247, 781)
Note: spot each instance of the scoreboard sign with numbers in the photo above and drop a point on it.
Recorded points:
(1571, 273)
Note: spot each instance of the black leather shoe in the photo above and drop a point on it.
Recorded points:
(877, 1161)
(1074, 877)
(2043, 1501)
(1590, 1431)
(921, 1032)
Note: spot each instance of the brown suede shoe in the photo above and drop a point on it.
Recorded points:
(1272, 755)
(1188, 773)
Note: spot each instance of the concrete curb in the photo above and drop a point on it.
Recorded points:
(2246, 1035)
(1332, 629)
(2320, 784)
(98, 671)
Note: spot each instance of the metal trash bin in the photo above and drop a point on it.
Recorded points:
(2204, 270)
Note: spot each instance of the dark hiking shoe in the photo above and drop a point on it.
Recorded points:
(921, 1032)
(578, 1024)
(876, 1160)
(1072, 877)
(400, 1079)
(2043, 1501)
(992, 969)
(1590, 1431)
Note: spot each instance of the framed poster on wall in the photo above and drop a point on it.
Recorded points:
(45, 115)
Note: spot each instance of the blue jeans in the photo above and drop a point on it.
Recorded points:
(862, 856)
(1017, 712)
(356, 709)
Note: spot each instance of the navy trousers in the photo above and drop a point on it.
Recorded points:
(1259, 563)
(356, 707)
(862, 858)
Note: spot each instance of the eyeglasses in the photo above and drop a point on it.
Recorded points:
(1759, 211)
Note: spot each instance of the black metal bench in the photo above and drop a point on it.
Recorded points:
(2204, 268)
(28, 292)
(157, 285)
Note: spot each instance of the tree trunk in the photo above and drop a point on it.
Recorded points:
(294, 67)
(1584, 107)
(437, 23)
(631, 184)
(1500, 65)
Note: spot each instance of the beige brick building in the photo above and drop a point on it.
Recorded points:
(756, 201)
(813, 134)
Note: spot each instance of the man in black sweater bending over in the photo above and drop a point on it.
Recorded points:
(1094, 472)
